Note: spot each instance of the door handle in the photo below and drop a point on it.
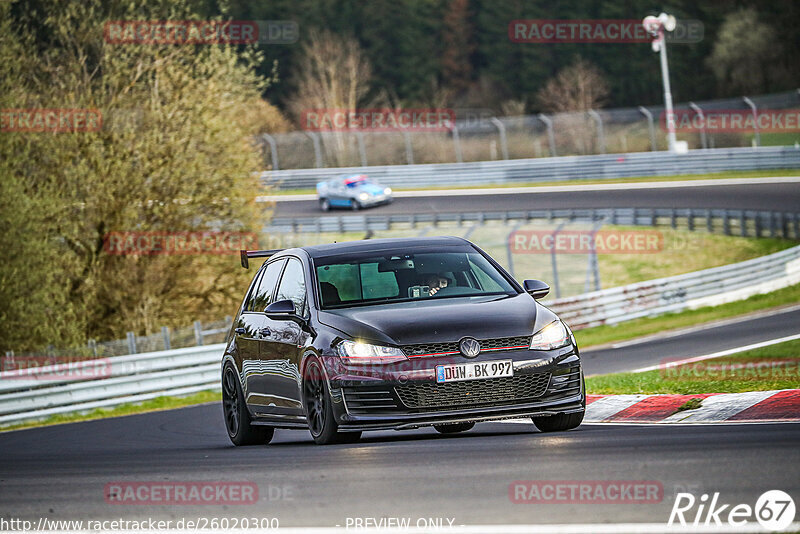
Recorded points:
(266, 332)
(240, 331)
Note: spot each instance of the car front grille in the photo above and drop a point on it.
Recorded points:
(487, 345)
(506, 390)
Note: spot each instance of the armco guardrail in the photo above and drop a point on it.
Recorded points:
(551, 169)
(709, 287)
(105, 382)
(745, 223)
(139, 377)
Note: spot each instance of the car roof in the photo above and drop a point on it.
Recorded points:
(383, 245)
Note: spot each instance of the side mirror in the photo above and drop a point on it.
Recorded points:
(536, 288)
(282, 309)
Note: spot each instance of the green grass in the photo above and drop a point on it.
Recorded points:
(588, 180)
(764, 369)
(153, 405)
(601, 335)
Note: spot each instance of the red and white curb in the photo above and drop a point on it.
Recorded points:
(754, 406)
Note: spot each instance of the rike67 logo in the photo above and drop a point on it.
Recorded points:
(774, 511)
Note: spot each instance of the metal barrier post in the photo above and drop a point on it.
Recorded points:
(650, 127)
(165, 335)
(503, 141)
(703, 138)
(361, 150)
(550, 135)
(601, 136)
(274, 149)
(198, 333)
(317, 149)
(457, 144)
(409, 148)
(131, 342)
(757, 135)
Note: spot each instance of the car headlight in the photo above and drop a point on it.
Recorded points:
(553, 336)
(387, 191)
(357, 352)
(363, 196)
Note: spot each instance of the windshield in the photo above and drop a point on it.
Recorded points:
(400, 277)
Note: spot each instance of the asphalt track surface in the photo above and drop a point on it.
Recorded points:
(61, 472)
(755, 196)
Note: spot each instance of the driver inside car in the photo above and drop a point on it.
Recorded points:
(436, 282)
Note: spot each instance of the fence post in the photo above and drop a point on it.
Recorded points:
(743, 223)
(650, 127)
(274, 149)
(501, 128)
(457, 144)
(709, 222)
(757, 136)
(317, 149)
(703, 138)
(508, 248)
(409, 148)
(165, 335)
(93, 347)
(553, 261)
(198, 333)
(550, 135)
(131, 342)
(361, 150)
(726, 225)
(601, 136)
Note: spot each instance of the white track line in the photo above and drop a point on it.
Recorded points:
(606, 407)
(717, 354)
(557, 188)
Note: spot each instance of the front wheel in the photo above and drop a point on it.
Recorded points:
(558, 423)
(319, 410)
(453, 428)
(354, 205)
(237, 418)
(324, 204)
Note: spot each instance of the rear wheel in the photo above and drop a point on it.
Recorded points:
(453, 428)
(319, 410)
(237, 418)
(324, 204)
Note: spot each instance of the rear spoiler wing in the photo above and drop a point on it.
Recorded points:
(247, 254)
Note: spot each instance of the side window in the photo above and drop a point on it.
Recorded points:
(266, 286)
(293, 286)
(248, 305)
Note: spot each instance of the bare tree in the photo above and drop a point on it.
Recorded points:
(574, 91)
(333, 74)
(578, 87)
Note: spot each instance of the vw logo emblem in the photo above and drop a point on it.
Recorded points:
(469, 347)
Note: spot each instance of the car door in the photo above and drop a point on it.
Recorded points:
(256, 327)
(281, 350)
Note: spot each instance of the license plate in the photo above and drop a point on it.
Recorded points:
(473, 371)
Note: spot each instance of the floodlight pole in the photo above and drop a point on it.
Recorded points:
(667, 92)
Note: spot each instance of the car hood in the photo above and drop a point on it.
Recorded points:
(372, 189)
(448, 319)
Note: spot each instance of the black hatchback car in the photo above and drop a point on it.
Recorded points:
(394, 334)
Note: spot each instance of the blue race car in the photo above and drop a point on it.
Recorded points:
(352, 191)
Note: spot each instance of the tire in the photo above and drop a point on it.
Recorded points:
(319, 409)
(237, 418)
(453, 428)
(354, 205)
(558, 423)
(324, 204)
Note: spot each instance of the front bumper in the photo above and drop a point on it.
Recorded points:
(405, 397)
